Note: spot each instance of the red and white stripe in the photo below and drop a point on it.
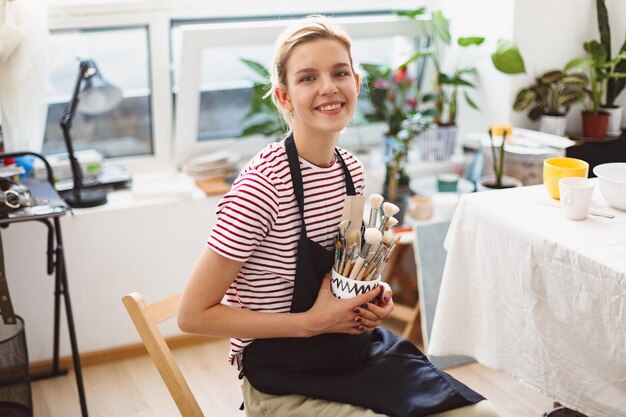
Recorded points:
(258, 223)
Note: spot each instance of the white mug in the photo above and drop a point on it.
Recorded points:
(575, 197)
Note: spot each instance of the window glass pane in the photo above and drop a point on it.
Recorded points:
(225, 86)
(122, 57)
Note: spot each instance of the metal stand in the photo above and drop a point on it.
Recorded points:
(56, 264)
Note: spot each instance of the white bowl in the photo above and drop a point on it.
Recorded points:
(612, 178)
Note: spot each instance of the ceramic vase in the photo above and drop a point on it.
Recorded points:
(554, 125)
(614, 127)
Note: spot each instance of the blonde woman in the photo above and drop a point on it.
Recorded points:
(263, 279)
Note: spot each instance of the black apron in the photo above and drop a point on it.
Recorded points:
(379, 370)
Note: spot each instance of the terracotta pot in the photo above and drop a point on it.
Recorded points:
(595, 125)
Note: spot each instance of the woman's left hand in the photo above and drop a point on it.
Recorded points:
(377, 310)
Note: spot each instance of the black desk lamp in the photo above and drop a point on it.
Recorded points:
(96, 97)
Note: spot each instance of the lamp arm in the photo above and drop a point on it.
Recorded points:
(66, 126)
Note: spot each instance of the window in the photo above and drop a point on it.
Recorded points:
(121, 55)
(166, 116)
(214, 86)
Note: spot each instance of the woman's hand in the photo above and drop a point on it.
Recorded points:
(373, 313)
(333, 315)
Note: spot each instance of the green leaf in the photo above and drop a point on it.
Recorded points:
(578, 80)
(377, 70)
(603, 26)
(445, 80)
(442, 26)
(551, 77)
(418, 55)
(523, 99)
(536, 112)
(257, 67)
(470, 102)
(470, 41)
(578, 63)
(410, 13)
(507, 58)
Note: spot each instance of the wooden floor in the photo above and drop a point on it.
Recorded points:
(133, 388)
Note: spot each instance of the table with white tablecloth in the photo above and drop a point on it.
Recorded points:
(540, 297)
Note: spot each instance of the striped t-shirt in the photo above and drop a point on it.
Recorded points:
(258, 223)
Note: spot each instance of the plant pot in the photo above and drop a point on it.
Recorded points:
(487, 183)
(595, 125)
(614, 127)
(437, 143)
(555, 125)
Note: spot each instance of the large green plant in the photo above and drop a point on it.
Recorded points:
(263, 117)
(601, 71)
(614, 85)
(552, 93)
(448, 84)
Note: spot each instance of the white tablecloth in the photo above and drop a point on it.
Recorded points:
(540, 297)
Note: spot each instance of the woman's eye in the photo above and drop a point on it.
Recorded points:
(308, 78)
(342, 74)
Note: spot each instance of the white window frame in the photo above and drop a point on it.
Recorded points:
(157, 16)
(195, 39)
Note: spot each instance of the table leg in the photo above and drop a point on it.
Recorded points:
(70, 320)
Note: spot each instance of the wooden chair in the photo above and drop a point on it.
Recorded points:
(407, 283)
(146, 317)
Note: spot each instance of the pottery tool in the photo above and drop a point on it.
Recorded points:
(389, 210)
(353, 211)
(375, 201)
(592, 211)
(372, 237)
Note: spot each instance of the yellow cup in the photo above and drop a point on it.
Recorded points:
(556, 168)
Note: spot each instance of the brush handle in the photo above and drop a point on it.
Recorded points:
(363, 272)
(357, 268)
(373, 215)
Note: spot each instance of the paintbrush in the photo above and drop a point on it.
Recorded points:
(389, 211)
(372, 237)
(375, 201)
(391, 222)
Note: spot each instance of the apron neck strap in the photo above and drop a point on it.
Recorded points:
(296, 175)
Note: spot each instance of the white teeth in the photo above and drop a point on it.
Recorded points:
(331, 107)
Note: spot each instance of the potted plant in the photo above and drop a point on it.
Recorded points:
(393, 95)
(550, 98)
(601, 70)
(448, 83)
(498, 180)
(614, 85)
(263, 117)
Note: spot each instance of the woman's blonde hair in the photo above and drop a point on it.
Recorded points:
(311, 28)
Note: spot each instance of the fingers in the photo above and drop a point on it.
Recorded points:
(366, 297)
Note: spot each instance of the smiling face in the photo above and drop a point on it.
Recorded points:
(321, 89)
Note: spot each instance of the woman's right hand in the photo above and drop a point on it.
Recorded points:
(333, 315)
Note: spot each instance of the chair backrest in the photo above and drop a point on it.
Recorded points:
(146, 317)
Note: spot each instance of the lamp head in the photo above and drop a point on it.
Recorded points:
(97, 96)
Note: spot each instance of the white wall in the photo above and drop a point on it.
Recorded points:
(149, 248)
(548, 33)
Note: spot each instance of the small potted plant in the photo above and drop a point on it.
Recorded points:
(448, 85)
(498, 180)
(601, 70)
(614, 85)
(393, 95)
(550, 98)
